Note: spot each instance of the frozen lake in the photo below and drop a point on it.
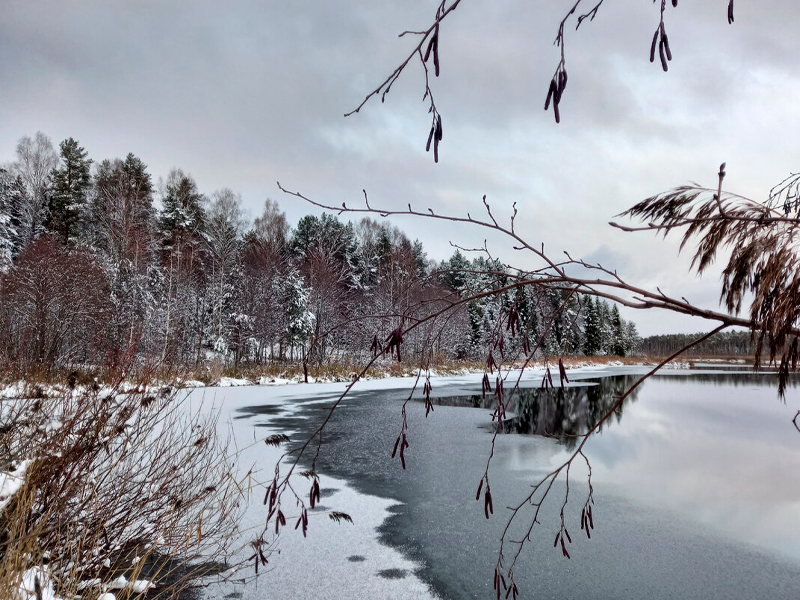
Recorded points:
(696, 484)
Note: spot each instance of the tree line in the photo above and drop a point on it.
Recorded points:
(724, 343)
(102, 266)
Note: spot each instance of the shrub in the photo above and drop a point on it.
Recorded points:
(111, 489)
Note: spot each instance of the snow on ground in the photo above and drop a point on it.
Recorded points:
(336, 560)
(233, 382)
(33, 578)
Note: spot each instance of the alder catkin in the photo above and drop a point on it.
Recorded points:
(550, 93)
(653, 47)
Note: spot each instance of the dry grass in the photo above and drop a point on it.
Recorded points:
(135, 484)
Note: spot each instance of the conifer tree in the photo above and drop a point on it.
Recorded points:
(452, 273)
(604, 318)
(69, 194)
(420, 259)
(182, 219)
(181, 226)
(122, 210)
(592, 327)
(326, 234)
(299, 318)
(619, 345)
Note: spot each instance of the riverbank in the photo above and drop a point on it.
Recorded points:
(53, 384)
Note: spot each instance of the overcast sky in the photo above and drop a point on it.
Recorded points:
(242, 94)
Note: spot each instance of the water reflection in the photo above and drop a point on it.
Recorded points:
(697, 489)
(740, 378)
(564, 414)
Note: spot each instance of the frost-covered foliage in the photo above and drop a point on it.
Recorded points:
(299, 319)
(36, 159)
(555, 320)
(119, 271)
(12, 197)
(110, 489)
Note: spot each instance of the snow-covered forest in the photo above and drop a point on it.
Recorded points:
(104, 265)
(725, 343)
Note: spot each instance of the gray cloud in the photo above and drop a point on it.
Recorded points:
(244, 93)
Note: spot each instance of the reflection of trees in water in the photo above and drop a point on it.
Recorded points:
(563, 414)
(736, 379)
(569, 412)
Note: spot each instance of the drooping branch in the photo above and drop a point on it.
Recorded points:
(541, 490)
(717, 219)
(762, 241)
(555, 274)
(427, 50)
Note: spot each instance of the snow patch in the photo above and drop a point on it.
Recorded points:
(192, 383)
(30, 579)
(138, 586)
(11, 481)
(233, 382)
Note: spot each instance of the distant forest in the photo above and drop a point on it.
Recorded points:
(725, 343)
(101, 266)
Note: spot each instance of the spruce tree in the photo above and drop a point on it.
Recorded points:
(618, 341)
(592, 327)
(452, 273)
(69, 194)
(299, 318)
(604, 318)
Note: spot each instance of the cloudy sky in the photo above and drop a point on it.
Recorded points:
(244, 93)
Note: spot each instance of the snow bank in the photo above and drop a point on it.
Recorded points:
(233, 382)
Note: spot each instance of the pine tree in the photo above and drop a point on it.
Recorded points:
(181, 225)
(122, 210)
(325, 233)
(69, 194)
(182, 219)
(592, 327)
